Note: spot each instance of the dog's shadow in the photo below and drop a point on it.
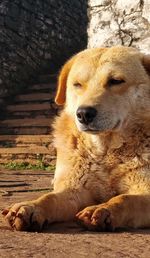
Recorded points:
(73, 227)
(64, 228)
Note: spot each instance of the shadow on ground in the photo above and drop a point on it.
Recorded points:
(60, 239)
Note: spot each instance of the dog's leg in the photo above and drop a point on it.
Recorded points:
(51, 207)
(122, 211)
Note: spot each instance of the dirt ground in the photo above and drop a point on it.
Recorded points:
(63, 240)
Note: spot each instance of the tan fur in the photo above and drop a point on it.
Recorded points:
(108, 168)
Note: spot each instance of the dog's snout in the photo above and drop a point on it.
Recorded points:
(86, 115)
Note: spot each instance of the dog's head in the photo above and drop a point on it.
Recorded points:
(105, 88)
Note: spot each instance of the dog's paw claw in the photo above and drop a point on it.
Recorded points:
(25, 216)
(96, 218)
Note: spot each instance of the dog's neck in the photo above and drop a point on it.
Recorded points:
(132, 137)
(109, 140)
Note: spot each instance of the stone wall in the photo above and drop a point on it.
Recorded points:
(38, 35)
(115, 22)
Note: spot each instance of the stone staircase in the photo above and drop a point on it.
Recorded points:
(26, 125)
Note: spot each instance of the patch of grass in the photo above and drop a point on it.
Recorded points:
(27, 166)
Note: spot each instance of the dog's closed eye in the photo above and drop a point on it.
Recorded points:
(113, 82)
(77, 85)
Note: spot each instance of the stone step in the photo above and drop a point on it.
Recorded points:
(28, 107)
(24, 145)
(26, 127)
(34, 97)
(27, 150)
(37, 156)
(42, 122)
(34, 113)
(26, 138)
(25, 131)
(43, 87)
(45, 78)
(31, 161)
(28, 154)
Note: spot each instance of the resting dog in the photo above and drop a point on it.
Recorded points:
(102, 138)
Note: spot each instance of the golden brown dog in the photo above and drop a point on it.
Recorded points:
(103, 145)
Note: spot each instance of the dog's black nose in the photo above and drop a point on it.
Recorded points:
(86, 115)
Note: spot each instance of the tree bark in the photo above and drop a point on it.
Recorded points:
(37, 35)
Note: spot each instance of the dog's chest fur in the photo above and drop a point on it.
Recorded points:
(106, 165)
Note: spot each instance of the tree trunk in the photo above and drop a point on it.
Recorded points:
(38, 35)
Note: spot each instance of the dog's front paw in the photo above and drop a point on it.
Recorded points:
(98, 218)
(25, 216)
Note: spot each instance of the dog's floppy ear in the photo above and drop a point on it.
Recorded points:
(62, 81)
(146, 63)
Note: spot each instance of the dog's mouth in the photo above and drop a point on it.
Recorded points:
(91, 131)
(94, 130)
(117, 124)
